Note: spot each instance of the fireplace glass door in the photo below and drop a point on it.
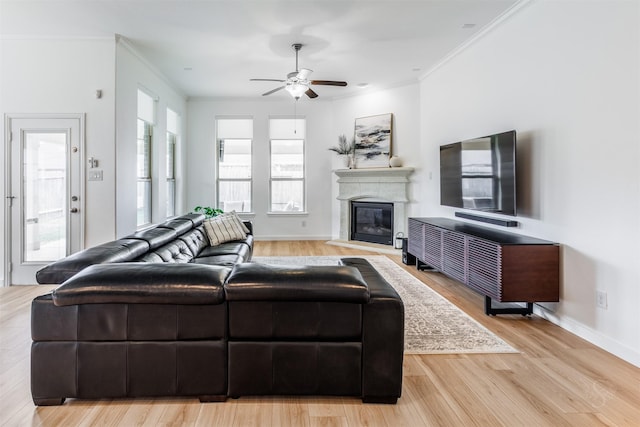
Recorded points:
(372, 222)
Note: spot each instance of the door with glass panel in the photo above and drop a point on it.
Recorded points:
(45, 200)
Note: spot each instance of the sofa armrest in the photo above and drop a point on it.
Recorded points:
(382, 337)
(144, 283)
(249, 226)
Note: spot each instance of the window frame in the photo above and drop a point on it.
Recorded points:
(303, 180)
(171, 180)
(147, 179)
(147, 110)
(242, 135)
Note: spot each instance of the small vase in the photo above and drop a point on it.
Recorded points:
(347, 161)
(395, 162)
(352, 161)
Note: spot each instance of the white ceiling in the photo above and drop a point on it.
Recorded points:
(211, 48)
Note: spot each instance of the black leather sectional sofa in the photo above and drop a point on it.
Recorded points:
(162, 313)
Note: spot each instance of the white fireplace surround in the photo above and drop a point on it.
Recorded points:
(373, 185)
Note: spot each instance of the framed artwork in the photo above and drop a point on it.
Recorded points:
(373, 141)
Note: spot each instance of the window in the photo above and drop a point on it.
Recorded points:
(171, 174)
(287, 186)
(234, 148)
(172, 132)
(146, 115)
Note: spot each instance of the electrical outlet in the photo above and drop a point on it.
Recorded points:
(304, 223)
(601, 299)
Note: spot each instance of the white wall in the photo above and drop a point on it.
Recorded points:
(565, 75)
(316, 223)
(134, 72)
(404, 103)
(43, 76)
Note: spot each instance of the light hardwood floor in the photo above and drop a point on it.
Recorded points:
(557, 379)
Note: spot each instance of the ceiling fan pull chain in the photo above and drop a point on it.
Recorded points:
(295, 119)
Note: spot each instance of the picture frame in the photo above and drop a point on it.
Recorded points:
(373, 136)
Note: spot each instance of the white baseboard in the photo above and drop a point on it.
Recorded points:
(305, 237)
(594, 337)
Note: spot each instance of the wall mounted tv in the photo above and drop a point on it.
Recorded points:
(480, 174)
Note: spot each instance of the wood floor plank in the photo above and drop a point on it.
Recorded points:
(556, 378)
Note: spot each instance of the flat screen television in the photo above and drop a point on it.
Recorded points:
(480, 174)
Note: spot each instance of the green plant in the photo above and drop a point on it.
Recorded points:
(343, 146)
(208, 211)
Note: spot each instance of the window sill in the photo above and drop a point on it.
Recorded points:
(292, 213)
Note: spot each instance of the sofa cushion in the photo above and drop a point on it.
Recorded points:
(144, 283)
(227, 248)
(228, 260)
(180, 225)
(262, 282)
(196, 218)
(116, 251)
(156, 236)
(224, 228)
(176, 251)
(196, 240)
(150, 257)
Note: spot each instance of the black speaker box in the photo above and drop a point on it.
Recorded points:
(407, 258)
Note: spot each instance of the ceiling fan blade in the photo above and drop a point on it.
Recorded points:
(273, 90)
(328, 83)
(266, 80)
(311, 94)
(304, 74)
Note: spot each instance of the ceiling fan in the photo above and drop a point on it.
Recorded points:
(297, 82)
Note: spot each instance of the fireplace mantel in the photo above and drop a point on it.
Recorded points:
(374, 184)
(400, 175)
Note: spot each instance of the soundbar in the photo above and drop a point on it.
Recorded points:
(494, 221)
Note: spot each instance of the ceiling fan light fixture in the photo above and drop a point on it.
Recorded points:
(297, 82)
(296, 89)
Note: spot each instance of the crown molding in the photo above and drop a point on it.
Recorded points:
(55, 38)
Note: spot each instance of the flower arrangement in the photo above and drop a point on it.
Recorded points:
(347, 149)
(343, 146)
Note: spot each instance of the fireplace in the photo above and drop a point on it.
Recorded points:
(372, 222)
(374, 185)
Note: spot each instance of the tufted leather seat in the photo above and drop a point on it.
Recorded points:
(174, 251)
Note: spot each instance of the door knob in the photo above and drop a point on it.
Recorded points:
(73, 210)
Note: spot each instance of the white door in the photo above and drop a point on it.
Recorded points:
(45, 203)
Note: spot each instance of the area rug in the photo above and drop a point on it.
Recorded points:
(432, 324)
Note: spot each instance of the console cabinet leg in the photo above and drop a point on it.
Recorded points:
(492, 311)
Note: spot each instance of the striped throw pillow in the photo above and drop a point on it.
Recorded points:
(224, 228)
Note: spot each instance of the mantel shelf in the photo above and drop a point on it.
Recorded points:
(406, 171)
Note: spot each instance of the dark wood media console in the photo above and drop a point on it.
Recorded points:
(504, 267)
